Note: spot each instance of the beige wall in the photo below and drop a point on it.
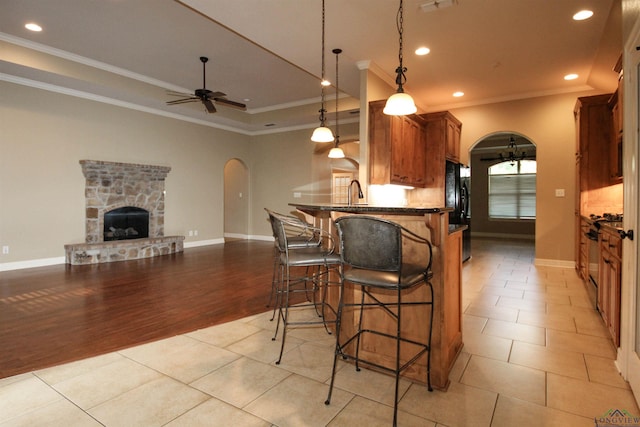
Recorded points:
(549, 123)
(44, 135)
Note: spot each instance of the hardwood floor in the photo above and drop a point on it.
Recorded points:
(62, 313)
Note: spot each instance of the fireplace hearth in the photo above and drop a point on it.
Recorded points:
(124, 214)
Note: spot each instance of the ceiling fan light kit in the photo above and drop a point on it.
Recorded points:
(400, 103)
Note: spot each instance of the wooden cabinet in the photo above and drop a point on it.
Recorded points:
(593, 132)
(615, 143)
(397, 148)
(452, 298)
(609, 281)
(445, 128)
(582, 252)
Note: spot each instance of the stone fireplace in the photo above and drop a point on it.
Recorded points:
(131, 197)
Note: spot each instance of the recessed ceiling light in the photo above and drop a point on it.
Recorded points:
(571, 76)
(582, 15)
(458, 94)
(422, 51)
(32, 26)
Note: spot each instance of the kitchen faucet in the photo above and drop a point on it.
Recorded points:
(360, 195)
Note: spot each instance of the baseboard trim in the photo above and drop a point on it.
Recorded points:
(503, 236)
(554, 263)
(33, 263)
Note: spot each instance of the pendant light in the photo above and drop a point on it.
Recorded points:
(336, 152)
(400, 103)
(322, 133)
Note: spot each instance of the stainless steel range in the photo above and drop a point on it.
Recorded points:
(594, 250)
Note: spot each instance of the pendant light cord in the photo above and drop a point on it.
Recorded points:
(400, 76)
(322, 109)
(337, 52)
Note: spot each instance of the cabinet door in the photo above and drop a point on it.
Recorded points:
(453, 141)
(603, 278)
(399, 160)
(613, 320)
(407, 153)
(583, 251)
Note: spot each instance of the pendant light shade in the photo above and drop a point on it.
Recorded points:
(322, 133)
(336, 153)
(400, 103)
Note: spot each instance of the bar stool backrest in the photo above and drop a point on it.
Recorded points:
(370, 243)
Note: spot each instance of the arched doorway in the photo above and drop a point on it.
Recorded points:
(236, 200)
(503, 186)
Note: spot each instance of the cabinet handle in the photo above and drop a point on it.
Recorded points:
(626, 234)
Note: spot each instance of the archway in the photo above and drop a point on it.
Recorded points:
(236, 200)
(503, 186)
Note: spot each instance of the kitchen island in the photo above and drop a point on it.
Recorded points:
(433, 224)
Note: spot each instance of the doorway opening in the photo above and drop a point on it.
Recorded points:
(503, 198)
(236, 200)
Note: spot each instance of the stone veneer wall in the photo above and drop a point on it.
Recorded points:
(114, 185)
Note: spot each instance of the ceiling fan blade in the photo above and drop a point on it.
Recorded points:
(209, 105)
(230, 103)
(182, 101)
(173, 93)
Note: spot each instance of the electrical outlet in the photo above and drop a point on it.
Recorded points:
(195, 232)
(190, 233)
(5, 250)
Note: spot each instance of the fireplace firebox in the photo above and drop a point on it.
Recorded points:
(126, 223)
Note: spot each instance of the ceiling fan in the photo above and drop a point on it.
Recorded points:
(510, 153)
(206, 96)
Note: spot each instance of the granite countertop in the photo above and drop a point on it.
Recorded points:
(454, 228)
(365, 208)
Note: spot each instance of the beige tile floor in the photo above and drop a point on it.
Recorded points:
(536, 354)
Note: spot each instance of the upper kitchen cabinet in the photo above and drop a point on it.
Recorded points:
(593, 133)
(615, 147)
(397, 148)
(445, 128)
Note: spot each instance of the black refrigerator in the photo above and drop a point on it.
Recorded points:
(457, 196)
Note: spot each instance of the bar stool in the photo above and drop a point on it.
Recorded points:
(301, 266)
(302, 236)
(371, 253)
